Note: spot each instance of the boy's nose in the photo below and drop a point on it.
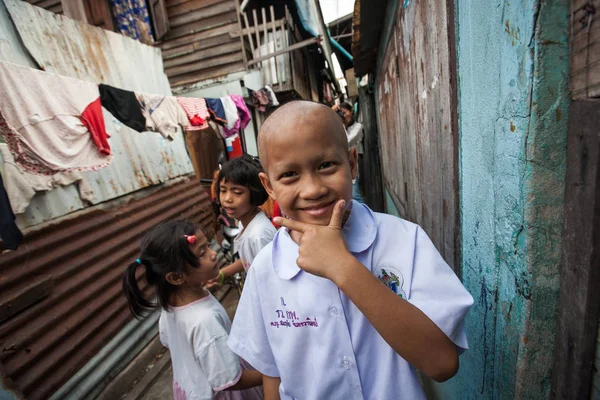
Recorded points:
(312, 188)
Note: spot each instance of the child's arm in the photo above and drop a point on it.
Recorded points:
(233, 268)
(271, 387)
(249, 378)
(408, 331)
(227, 271)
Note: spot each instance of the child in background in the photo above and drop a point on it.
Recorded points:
(193, 325)
(344, 303)
(240, 194)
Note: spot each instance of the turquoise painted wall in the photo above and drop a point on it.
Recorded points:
(513, 101)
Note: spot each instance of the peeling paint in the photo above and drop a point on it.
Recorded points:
(513, 103)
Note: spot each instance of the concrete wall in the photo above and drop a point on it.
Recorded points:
(513, 102)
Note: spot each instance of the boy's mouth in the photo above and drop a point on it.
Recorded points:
(319, 209)
(229, 210)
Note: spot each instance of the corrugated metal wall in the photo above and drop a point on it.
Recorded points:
(417, 127)
(72, 48)
(61, 289)
(203, 41)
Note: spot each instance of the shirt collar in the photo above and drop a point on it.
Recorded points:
(359, 233)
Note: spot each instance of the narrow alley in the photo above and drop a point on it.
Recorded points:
(182, 216)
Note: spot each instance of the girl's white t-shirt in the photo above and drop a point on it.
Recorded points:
(259, 233)
(203, 365)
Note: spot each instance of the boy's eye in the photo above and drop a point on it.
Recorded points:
(238, 192)
(287, 175)
(327, 164)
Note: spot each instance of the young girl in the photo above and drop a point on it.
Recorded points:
(240, 194)
(193, 325)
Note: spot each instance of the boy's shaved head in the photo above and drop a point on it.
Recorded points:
(291, 117)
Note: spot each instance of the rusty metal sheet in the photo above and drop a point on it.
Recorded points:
(416, 96)
(59, 327)
(72, 48)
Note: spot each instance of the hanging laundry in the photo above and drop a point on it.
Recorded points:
(163, 114)
(216, 110)
(9, 231)
(132, 19)
(260, 99)
(93, 119)
(243, 115)
(231, 114)
(124, 105)
(41, 121)
(21, 186)
(196, 111)
(274, 101)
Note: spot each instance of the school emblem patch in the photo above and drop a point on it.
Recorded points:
(393, 279)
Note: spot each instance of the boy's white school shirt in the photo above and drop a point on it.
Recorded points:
(302, 328)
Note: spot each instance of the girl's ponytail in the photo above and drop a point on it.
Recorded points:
(138, 304)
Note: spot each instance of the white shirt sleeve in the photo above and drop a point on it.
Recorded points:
(259, 242)
(437, 292)
(355, 134)
(162, 331)
(220, 365)
(248, 337)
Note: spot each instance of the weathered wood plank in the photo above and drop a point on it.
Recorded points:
(202, 13)
(206, 74)
(195, 46)
(579, 308)
(205, 54)
(204, 64)
(175, 10)
(203, 25)
(230, 29)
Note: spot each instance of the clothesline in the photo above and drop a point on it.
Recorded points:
(54, 129)
(27, 111)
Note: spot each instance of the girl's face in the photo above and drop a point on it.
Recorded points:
(207, 257)
(235, 199)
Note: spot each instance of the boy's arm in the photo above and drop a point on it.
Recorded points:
(271, 387)
(408, 331)
(402, 325)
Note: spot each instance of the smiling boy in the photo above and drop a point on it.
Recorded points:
(344, 303)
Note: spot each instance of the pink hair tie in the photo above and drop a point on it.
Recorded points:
(191, 239)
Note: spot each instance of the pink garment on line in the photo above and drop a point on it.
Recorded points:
(243, 113)
(195, 108)
(40, 120)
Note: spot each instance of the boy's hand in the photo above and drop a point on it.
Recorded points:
(323, 251)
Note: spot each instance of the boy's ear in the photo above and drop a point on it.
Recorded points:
(264, 179)
(353, 159)
(175, 278)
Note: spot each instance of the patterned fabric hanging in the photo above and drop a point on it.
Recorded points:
(132, 19)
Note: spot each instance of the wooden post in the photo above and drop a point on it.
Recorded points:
(258, 52)
(266, 35)
(579, 307)
(371, 171)
(239, 19)
(275, 47)
(287, 56)
(249, 34)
